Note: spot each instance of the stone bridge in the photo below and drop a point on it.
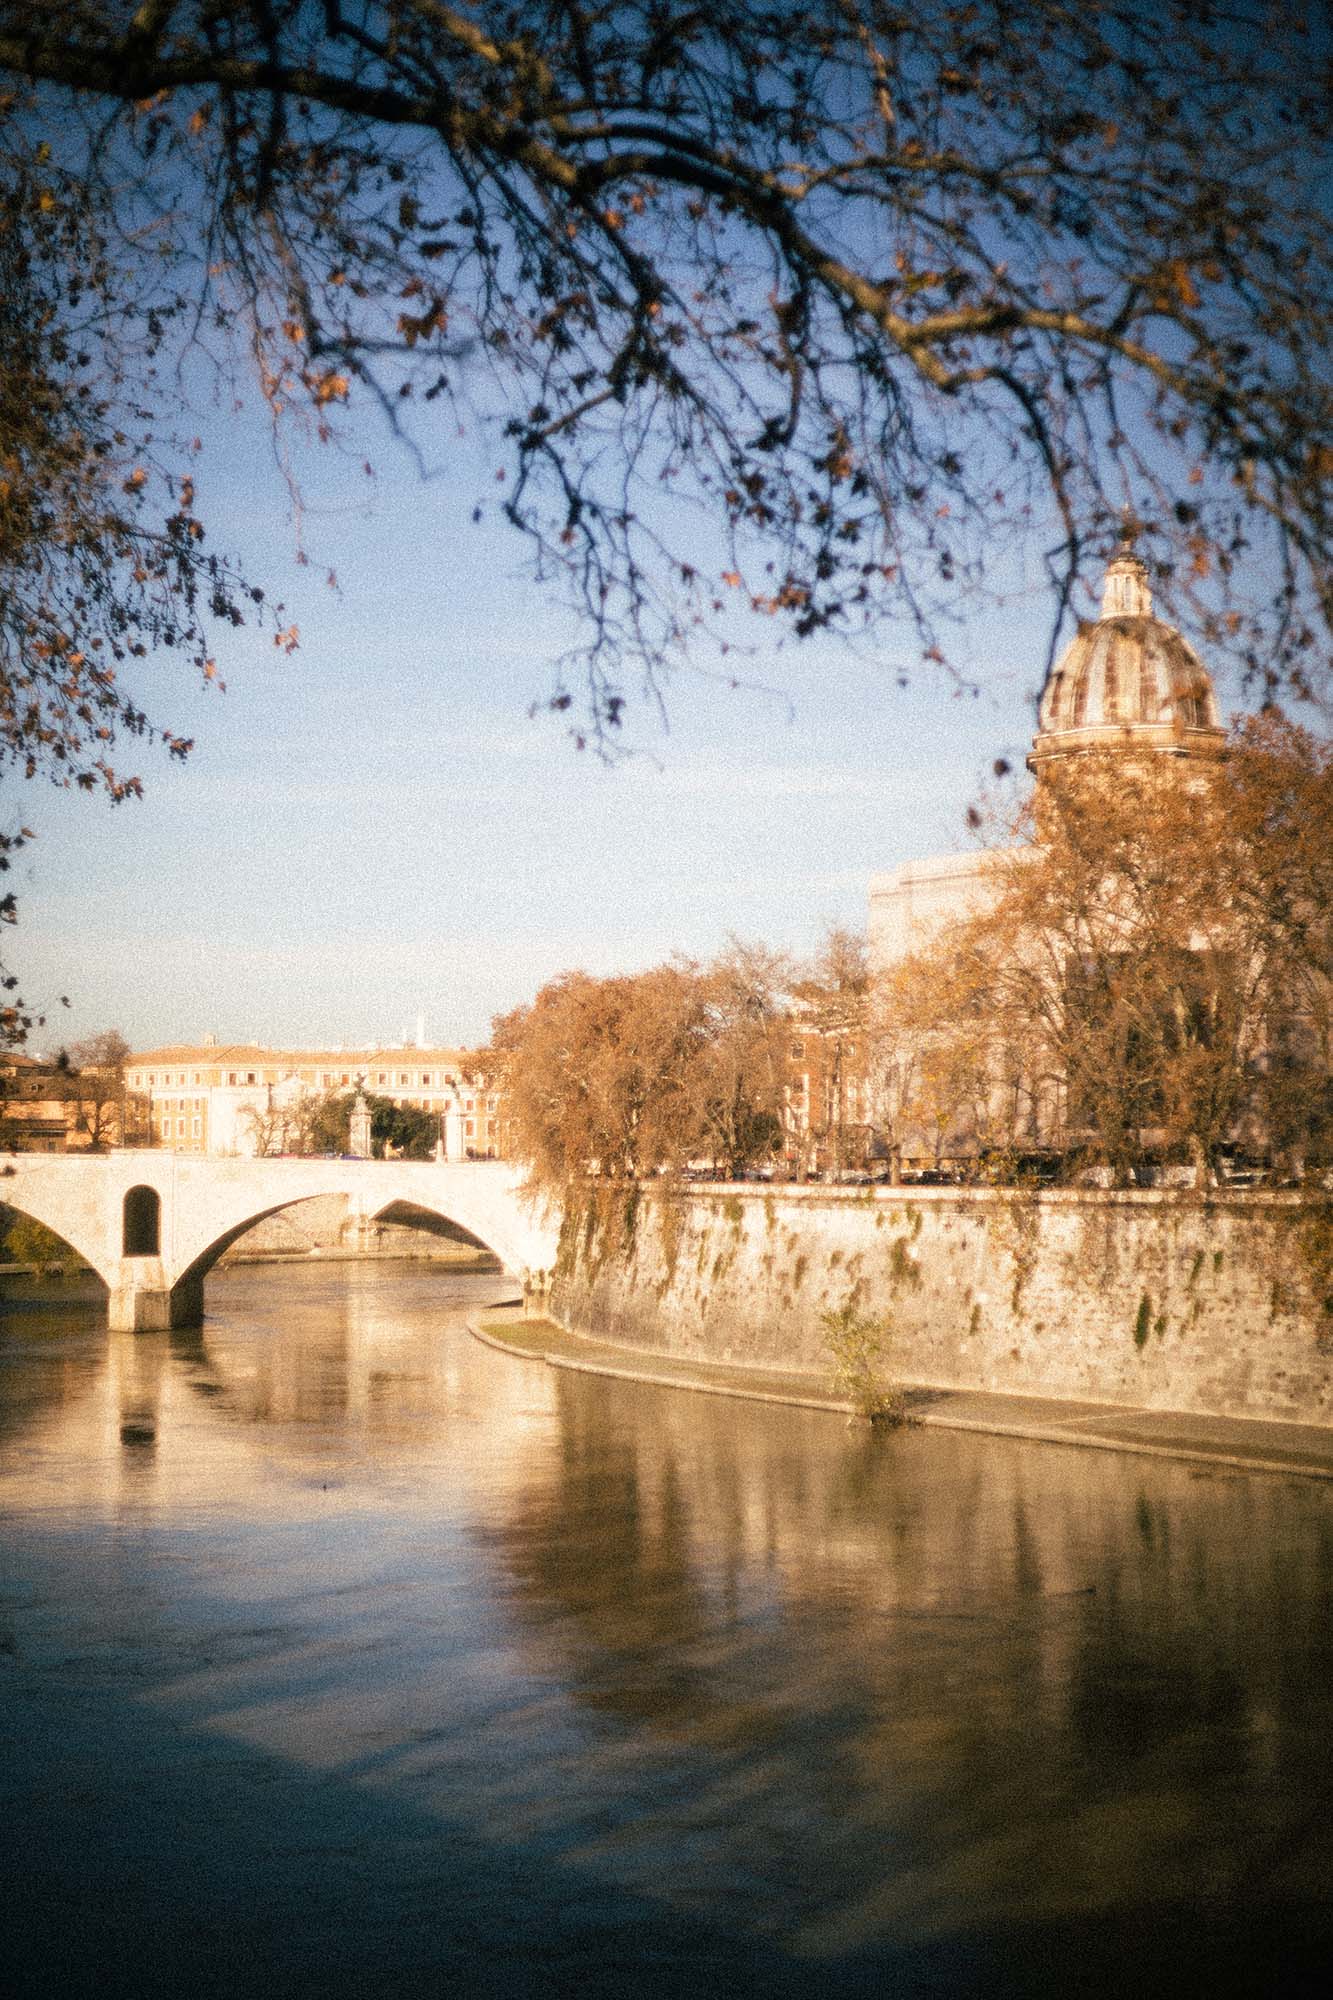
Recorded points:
(153, 1224)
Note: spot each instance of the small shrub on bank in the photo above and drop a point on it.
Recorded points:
(856, 1346)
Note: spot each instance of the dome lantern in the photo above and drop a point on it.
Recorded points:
(1125, 592)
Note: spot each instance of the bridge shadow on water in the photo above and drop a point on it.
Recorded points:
(146, 1858)
(149, 1855)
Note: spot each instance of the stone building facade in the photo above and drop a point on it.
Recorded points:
(34, 1105)
(216, 1099)
(47, 1106)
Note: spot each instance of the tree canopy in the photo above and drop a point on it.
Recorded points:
(821, 311)
(883, 288)
(97, 1087)
(637, 1075)
(309, 1124)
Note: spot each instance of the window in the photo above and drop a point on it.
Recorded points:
(141, 1223)
(195, 1125)
(196, 1078)
(798, 1049)
(231, 1076)
(468, 1128)
(180, 1128)
(381, 1078)
(425, 1083)
(249, 1076)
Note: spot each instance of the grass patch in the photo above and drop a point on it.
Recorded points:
(519, 1333)
(857, 1347)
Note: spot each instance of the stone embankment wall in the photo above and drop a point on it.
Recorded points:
(324, 1226)
(1151, 1299)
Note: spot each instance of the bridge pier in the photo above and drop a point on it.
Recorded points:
(142, 1301)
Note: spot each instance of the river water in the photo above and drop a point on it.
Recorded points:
(342, 1655)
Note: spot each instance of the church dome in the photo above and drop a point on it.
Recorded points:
(1128, 682)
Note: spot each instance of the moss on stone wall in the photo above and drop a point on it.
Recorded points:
(1116, 1296)
(903, 1267)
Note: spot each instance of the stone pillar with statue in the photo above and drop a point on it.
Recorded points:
(358, 1140)
(451, 1126)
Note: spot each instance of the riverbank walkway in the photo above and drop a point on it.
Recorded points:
(1236, 1443)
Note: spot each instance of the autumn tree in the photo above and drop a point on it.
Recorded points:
(103, 559)
(302, 1122)
(637, 1074)
(276, 1126)
(601, 1074)
(1275, 805)
(831, 1000)
(743, 1065)
(97, 1087)
(1154, 971)
(946, 1079)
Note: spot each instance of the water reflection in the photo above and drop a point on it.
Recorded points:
(605, 1685)
(1046, 1683)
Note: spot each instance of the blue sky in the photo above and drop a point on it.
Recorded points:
(375, 827)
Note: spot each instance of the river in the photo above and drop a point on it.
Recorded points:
(340, 1654)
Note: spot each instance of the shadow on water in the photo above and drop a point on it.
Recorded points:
(341, 1655)
(258, 1880)
(207, 1869)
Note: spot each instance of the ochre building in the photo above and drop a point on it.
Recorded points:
(226, 1099)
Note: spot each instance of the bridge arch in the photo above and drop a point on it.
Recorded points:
(102, 1207)
(84, 1238)
(417, 1214)
(211, 1252)
(195, 1272)
(58, 1252)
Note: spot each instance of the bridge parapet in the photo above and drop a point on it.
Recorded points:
(153, 1224)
